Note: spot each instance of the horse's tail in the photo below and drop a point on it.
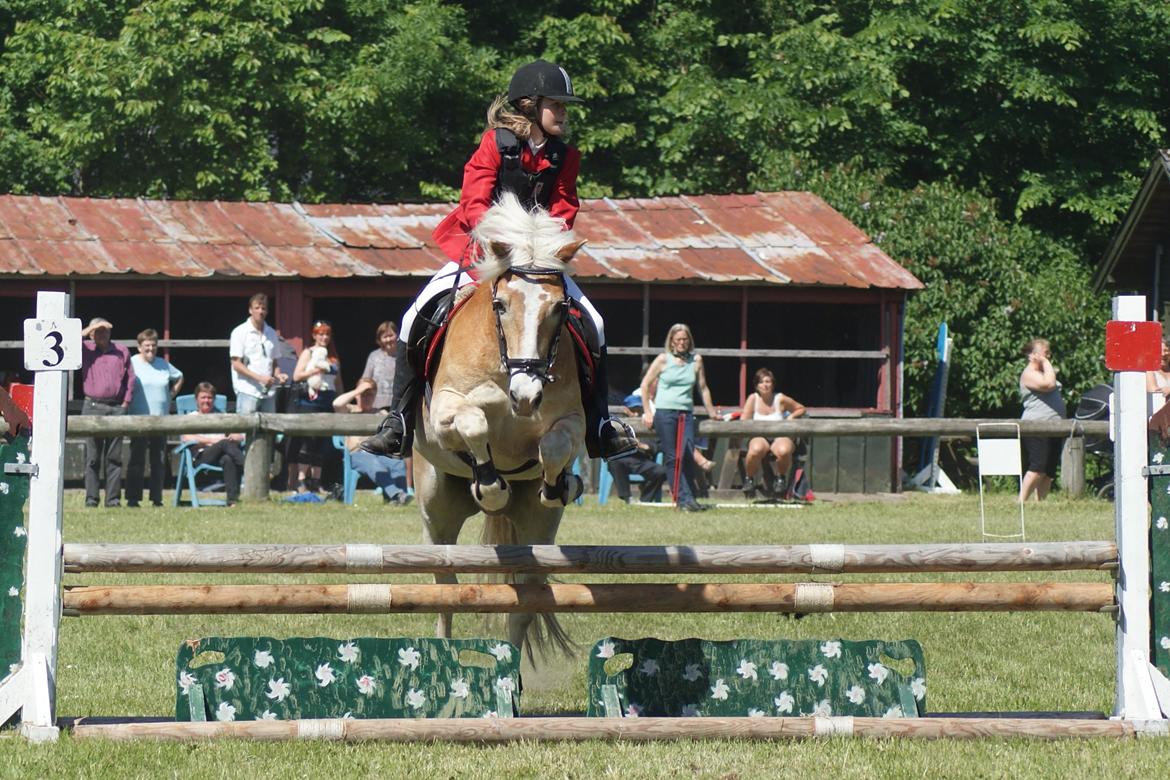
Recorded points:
(545, 633)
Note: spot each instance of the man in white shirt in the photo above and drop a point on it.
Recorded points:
(253, 352)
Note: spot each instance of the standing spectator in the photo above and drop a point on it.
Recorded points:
(1158, 382)
(380, 364)
(253, 352)
(1040, 394)
(387, 474)
(217, 449)
(156, 382)
(767, 404)
(677, 372)
(320, 369)
(107, 380)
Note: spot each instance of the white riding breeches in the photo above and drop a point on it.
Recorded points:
(444, 281)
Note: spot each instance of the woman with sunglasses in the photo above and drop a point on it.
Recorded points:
(319, 369)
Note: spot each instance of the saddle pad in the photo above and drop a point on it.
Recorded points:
(261, 678)
(13, 541)
(1160, 557)
(756, 677)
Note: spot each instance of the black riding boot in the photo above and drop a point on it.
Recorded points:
(605, 437)
(395, 434)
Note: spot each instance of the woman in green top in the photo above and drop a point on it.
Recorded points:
(669, 392)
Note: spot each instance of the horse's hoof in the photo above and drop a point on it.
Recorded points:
(491, 497)
(568, 489)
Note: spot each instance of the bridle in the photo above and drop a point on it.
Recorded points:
(537, 368)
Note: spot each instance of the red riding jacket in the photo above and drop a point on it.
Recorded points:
(479, 180)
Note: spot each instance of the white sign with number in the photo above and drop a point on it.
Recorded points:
(52, 345)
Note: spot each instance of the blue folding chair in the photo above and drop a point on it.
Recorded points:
(349, 475)
(188, 470)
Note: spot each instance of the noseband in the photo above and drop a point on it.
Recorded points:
(538, 368)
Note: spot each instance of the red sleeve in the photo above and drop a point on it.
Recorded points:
(479, 180)
(564, 202)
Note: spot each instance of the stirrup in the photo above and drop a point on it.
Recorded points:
(616, 439)
(390, 440)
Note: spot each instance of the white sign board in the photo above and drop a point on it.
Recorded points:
(52, 345)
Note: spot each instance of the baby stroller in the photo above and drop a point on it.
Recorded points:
(1094, 406)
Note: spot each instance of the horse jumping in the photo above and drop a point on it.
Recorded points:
(504, 420)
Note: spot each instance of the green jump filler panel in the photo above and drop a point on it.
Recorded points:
(756, 678)
(13, 544)
(260, 678)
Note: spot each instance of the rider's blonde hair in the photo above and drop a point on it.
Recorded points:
(518, 119)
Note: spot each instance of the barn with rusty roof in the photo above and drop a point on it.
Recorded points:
(775, 279)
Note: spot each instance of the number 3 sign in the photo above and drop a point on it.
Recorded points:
(52, 345)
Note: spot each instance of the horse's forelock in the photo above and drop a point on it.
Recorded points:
(534, 237)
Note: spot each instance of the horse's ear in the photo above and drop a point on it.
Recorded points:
(500, 249)
(565, 253)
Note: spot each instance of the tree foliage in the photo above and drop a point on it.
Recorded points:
(1003, 140)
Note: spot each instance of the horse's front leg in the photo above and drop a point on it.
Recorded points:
(558, 448)
(463, 427)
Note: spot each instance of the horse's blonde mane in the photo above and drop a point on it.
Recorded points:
(534, 238)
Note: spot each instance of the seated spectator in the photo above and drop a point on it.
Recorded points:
(387, 474)
(767, 404)
(217, 449)
(643, 463)
(1158, 382)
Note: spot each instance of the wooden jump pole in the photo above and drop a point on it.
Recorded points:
(575, 729)
(649, 597)
(552, 559)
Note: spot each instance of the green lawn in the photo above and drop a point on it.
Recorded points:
(111, 666)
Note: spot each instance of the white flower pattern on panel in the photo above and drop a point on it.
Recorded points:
(689, 711)
(778, 670)
(324, 675)
(1164, 586)
(19, 531)
(225, 712)
(278, 689)
(459, 688)
(634, 710)
(1162, 525)
(348, 652)
(408, 656)
(784, 702)
(490, 714)
(506, 684)
(1165, 642)
(366, 685)
(649, 667)
(503, 653)
(747, 670)
(818, 674)
(823, 709)
(267, 715)
(754, 713)
(12, 591)
(262, 659)
(415, 699)
(605, 650)
(691, 673)
(719, 690)
(856, 694)
(894, 712)
(878, 672)
(918, 688)
(187, 681)
(225, 678)
(831, 649)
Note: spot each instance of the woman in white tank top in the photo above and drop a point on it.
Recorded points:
(767, 404)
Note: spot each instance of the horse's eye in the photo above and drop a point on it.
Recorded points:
(499, 305)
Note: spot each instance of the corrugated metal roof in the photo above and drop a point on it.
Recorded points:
(792, 238)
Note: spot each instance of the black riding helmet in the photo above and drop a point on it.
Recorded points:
(541, 79)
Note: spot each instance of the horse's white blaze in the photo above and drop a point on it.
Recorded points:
(526, 389)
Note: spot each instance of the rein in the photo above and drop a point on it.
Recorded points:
(538, 368)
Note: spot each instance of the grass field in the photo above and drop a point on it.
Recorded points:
(113, 666)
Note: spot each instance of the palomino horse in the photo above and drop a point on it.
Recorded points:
(504, 420)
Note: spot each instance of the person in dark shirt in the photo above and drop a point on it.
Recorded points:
(107, 380)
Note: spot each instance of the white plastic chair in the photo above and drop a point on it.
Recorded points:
(999, 457)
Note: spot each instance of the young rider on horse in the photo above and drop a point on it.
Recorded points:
(520, 152)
